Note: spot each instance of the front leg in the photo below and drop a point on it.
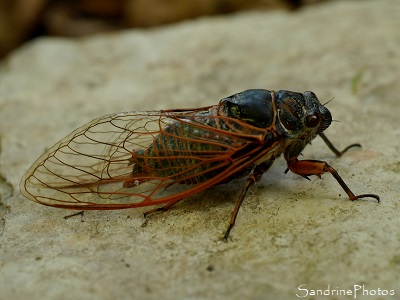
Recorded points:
(333, 148)
(306, 168)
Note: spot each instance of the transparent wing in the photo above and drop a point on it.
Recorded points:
(136, 159)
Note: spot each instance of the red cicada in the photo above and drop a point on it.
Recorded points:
(134, 159)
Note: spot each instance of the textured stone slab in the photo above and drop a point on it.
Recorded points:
(289, 231)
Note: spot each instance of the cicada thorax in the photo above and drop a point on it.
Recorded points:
(290, 118)
(281, 114)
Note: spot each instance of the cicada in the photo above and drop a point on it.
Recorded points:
(153, 158)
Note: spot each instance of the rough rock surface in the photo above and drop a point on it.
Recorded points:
(289, 232)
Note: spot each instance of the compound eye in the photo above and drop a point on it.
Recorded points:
(313, 119)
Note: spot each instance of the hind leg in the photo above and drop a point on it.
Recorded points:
(158, 209)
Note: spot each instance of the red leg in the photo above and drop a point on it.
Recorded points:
(259, 170)
(158, 209)
(315, 167)
(249, 182)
